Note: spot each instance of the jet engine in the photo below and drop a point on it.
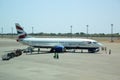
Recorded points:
(58, 49)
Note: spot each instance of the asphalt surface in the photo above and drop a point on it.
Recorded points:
(69, 66)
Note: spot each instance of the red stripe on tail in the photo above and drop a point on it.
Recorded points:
(22, 36)
(18, 27)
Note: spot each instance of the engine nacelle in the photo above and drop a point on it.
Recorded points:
(58, 49)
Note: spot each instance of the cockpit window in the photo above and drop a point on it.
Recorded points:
(95, 42)
(89, 42)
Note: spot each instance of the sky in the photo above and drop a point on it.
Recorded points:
(56, 16)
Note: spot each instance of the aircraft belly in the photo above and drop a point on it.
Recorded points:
(44, 45)
(80, 46)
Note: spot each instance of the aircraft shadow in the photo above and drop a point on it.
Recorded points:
(66, 52)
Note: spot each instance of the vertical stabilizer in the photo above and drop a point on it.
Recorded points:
(21, 33)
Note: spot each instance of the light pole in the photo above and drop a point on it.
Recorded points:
(2, 32)
(12, 31)
(32, 30)
(71, 30)
(111, 32)
(87, 30)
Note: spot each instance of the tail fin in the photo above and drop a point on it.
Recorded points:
(21, 33)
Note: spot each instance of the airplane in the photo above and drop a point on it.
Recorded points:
(57, 44)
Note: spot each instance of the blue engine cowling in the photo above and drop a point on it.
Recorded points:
(58, 49)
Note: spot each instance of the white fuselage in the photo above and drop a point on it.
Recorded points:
(66, 42)
(57, 44)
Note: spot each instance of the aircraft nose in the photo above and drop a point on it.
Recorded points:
(100, 44)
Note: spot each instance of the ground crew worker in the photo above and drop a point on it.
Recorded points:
(56, 55)
(105, 50)
(109, 51)
(38, 50)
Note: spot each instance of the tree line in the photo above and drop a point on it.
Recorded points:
(81, 34)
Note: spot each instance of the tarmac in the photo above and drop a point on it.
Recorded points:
(69, 66)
